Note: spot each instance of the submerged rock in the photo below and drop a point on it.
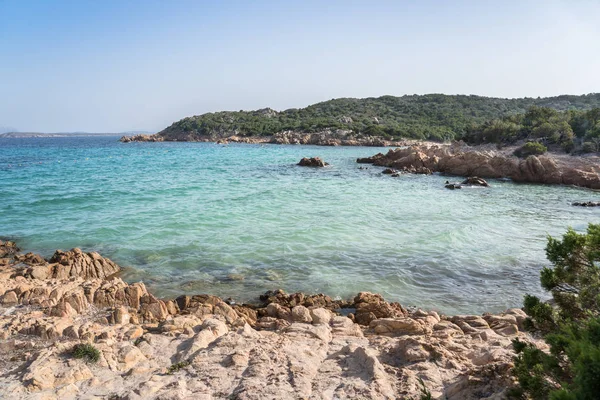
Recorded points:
(587, 204)
(453, 186)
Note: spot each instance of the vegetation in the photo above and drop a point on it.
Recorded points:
(86, 351)
(425, 393)
(548, 126)
(434, 117)
(571, 325)
(176, 367)
(531, 148)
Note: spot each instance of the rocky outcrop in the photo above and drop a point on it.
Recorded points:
(76, 263)
(371, 306)
(462, 160)
(285, 346)
(141, 138)
(8, 248)
(312, 162)
(327, 137)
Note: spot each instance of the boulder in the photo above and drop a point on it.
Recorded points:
(398, 326)
(301, 314)
(475, 181)
(8, 248)
(312, 162)
(371, 306)
(76, 263)
(320, 316)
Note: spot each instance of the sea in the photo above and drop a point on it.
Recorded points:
(237, 220)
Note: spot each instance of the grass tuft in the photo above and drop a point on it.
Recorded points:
(86, 351)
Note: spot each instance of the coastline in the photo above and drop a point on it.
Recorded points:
(486, 161)
(324, 138)
(426, 157)
(301, 345)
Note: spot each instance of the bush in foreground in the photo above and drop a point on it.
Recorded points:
(571, 326)
(87, 352)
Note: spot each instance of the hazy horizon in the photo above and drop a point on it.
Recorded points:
(144, 131)
(113, 67)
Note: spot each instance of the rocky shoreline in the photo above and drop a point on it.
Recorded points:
(336, 137)
(487, 162)
(286, 346)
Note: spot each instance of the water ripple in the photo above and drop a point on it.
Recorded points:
(242, 219)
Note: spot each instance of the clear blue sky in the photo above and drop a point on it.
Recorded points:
(100, 66)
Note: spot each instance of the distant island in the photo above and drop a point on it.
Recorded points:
(386, 120)
(66, 134)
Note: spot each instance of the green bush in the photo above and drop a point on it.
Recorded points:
(531, 148)
(571, 327)
(439, 117)
(176, 367)
(568, 145)
(86, 351)
(589, 147)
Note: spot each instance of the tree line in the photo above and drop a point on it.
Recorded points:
(568, 130)
(436, 117)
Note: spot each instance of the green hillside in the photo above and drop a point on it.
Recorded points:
(432, 116)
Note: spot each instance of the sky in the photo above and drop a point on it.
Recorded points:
(114, 66)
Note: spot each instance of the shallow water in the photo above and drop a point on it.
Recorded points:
(238, 220)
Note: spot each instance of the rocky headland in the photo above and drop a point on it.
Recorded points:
(488, 162)
(285, 346)
(328, 137)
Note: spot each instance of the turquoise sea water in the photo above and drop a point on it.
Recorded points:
(238, 220)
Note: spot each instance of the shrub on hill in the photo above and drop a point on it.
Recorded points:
(530, 148)
(433, 116)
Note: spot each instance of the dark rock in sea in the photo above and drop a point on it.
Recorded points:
(587, 204)
(312, 162)
(395, 174)
(389, 171)
(475, 181)
(453, 186)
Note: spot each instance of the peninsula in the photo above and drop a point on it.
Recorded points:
(387, 120)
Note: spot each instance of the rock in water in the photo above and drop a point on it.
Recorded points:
(453, 186)
(587, 204)
(312, 162)
(475, 181)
